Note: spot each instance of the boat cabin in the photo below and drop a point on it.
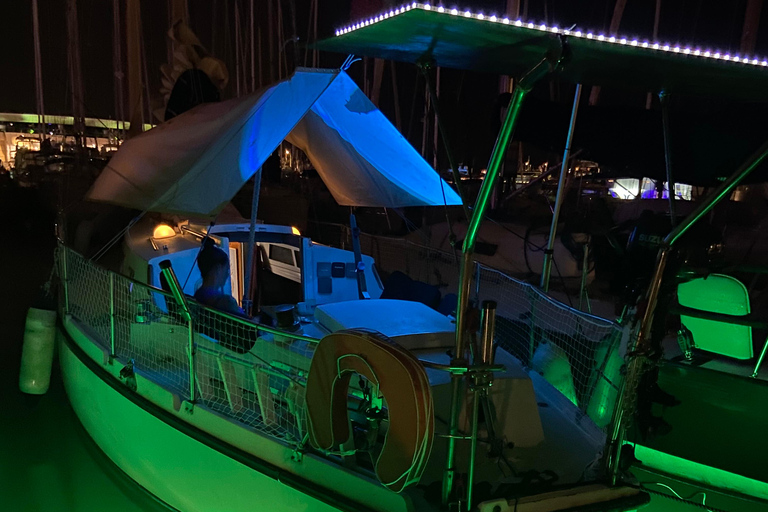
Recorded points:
(290, 268)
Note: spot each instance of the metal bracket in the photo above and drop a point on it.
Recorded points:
(188, 407)
(128, 376)
(479, 380)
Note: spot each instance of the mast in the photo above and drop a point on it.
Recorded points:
(396, 96)
(751, 24)
(145, 79)
(656, 19)
(38, 71)
(117, 65)
(618, 12)
(512, 12)
(133, 27)
(271, 41)
(281, 43)
(237, 48)
(294, 36)
(435, 126)
(315, 53)
(253, 52)
(75, 74)
(312, 33)
(261, 67)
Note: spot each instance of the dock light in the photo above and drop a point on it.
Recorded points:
(295, 230)
(163, 231)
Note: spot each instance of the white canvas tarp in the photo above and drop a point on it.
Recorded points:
(196, 162)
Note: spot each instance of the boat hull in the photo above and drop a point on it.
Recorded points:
(170, 462)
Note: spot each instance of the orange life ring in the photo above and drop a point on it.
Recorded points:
(401, 380)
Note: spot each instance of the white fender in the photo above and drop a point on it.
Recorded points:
(37, 352)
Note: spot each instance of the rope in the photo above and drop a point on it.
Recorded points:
(202, 244)
(681, 499)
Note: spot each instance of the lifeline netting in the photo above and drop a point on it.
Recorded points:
(239, 370)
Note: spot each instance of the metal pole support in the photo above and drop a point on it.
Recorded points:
(584, 274)
(479, 382)
(465, 284)
(247, 301)
(65, 278)
(548, 252)
(664, 99)
(111, 314)
(477, 282)
(181, 300)
(191, 358)
(444, 137)
(488, 332)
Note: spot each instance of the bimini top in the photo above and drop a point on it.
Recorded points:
(456, 38)
(196, 162)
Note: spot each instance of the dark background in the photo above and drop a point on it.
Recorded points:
(470, 100)
(710, 23)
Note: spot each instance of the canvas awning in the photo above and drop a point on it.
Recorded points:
(196, 162)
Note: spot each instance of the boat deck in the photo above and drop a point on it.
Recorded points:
(721, 421)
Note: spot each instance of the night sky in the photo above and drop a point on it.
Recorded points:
(711, 23)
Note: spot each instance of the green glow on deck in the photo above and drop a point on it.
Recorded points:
(705, 475)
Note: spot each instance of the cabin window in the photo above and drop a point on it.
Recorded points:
(281, 254)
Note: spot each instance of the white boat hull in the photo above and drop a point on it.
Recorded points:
(178, 467)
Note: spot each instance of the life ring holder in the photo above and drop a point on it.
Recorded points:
(401, 380)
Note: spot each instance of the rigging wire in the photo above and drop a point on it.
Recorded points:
(106, 247)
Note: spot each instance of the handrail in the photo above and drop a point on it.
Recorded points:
(260, 327)
(229, 316)
(462, 369)
(264, 364)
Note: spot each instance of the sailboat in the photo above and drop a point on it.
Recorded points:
(338, 398)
